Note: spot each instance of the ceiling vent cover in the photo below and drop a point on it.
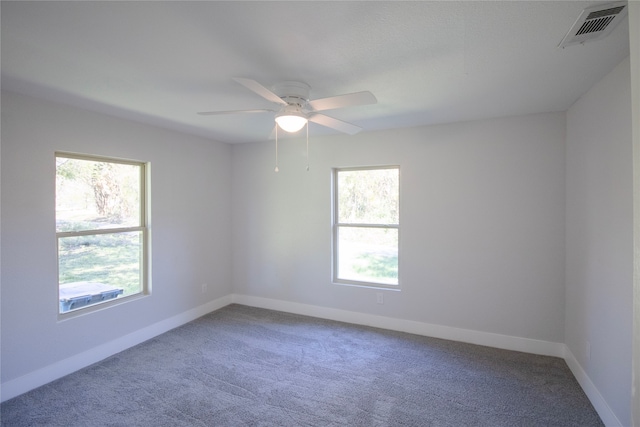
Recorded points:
(595, 23)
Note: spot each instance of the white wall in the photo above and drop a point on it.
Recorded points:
(599, 262)
(482, 224)
(190, 226)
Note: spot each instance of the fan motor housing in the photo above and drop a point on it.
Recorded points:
(292, 92)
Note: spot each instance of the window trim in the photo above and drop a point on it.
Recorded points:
(143, 227)
(335, 225)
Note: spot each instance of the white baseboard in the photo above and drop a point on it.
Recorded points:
(526, 345)
(64, 367)
(602, 408)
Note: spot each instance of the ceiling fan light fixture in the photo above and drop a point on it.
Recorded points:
(291, 121)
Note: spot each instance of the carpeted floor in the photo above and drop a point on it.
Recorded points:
(243, 366)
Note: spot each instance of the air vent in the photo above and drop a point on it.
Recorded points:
(595, 23)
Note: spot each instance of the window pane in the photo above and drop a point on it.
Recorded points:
(368, 196)
(368, 254)
(107, 262)
(96, 195)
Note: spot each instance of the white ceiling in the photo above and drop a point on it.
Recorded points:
(426, 62)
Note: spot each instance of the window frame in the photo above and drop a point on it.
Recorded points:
(335, 225)
(142, 228)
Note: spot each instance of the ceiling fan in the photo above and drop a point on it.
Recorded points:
(295, 109)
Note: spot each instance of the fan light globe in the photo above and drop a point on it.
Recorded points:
(291, 122)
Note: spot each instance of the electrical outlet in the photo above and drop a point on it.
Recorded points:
(379, 298)
(204, 288)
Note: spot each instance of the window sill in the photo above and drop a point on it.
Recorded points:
(367, 285)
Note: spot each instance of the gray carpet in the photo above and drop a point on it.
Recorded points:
(243, 366)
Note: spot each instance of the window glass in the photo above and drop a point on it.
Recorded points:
(93, 195)
(368, 196)
(368, 254)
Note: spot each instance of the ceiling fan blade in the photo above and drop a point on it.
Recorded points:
(336, 124)
(217, 113)
(260, 90)
(341, 101)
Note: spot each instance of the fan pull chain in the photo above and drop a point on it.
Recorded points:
(276, 169)
(307, 146)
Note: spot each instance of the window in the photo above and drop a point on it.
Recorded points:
(101, 229)
(366, 226)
